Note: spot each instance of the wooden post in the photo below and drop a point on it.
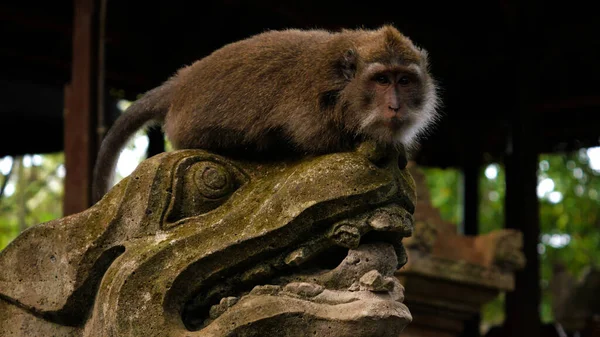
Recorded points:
(471, 171)
(521, 163)
(81, 99)
(521, 212)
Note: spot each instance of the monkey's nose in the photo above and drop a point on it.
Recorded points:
(394, 109)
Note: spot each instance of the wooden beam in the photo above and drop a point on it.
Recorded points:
(81, 108)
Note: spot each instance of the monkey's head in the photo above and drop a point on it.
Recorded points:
(390, 96)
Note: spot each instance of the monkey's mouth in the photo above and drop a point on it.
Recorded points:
(395, 123)
(388, 127)
(351, 268)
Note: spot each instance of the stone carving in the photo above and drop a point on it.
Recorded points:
(195, 244)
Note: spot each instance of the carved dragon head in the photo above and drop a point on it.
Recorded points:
(196, 244)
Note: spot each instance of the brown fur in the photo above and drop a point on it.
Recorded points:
(280, 91)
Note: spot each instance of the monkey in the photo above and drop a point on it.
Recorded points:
(307, 92)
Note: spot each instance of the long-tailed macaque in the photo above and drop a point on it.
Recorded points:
(301, 91)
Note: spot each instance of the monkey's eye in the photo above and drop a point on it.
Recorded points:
(381, 79)
(404, 80)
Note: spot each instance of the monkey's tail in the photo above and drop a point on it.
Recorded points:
(153, 106)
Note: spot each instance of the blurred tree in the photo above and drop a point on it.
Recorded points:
(445, 187)
(33, 188)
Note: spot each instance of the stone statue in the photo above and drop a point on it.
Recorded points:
(196, 244)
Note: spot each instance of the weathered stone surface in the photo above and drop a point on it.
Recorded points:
(195, 244)
(374, 281)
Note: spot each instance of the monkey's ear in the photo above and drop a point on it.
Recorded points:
(348, 64)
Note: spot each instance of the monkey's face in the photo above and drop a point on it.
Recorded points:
(399, 102)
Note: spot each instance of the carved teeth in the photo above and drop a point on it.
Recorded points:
(258, 272)
(345, 235)
(218, 309)
(374, 281)
(305, 253)
(297, 257)
(392, 218)
(267, 289)
(304, 289)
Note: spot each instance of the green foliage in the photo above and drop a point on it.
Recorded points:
(491, 198)
(492, 313)
(32, 195)
(576, 214)
(445, 192)
(569, 224)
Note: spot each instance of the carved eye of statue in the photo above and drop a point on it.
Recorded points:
(201, 185)
(212, 180)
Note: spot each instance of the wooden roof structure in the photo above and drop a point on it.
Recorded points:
(519, 78)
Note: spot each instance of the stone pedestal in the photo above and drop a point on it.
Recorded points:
(448, 276)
